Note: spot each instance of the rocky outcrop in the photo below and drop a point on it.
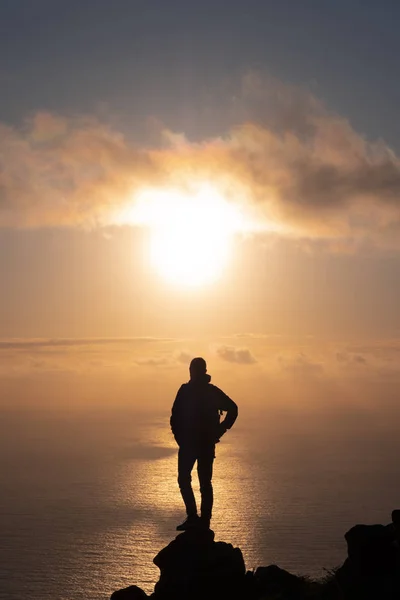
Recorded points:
(196, 567)
(372, 567)
(133, 592)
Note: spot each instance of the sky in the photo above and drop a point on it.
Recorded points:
(284, 115)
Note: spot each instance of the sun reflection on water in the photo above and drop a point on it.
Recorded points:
(150, 486)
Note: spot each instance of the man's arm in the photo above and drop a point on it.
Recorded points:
(229, 406)
(175, 420)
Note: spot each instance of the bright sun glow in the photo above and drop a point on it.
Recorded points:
(190, 235)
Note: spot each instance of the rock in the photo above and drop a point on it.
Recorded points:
(371, 549)
(184, 547)
(396, 516)
(193, 567)
(133, 592)
(372, 569)
(396, 524)
(274, 582)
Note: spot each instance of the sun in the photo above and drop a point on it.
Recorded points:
(191, 235)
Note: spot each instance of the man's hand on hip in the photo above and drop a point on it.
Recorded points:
(221, 430)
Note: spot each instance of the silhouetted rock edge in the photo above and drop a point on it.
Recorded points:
(195, 567)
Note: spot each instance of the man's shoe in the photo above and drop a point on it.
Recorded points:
(190, 523)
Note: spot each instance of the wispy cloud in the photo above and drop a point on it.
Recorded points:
(184, 357)
(152, 361)
(241, 356)
(38, 343)
(300, 364)
(344, 358)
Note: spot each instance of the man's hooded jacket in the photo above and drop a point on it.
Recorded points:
(195, 418)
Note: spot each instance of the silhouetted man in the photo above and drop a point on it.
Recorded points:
(195, 423)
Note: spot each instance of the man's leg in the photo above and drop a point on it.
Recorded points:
(205, 471)
(186, 460)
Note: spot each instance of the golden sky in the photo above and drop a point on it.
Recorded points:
(283, 227)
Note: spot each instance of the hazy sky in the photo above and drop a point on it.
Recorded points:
(290, 109)
(140, 57)
(181, 178)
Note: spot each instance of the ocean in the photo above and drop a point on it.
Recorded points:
(88, 497)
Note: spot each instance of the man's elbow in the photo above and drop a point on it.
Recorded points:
(232, 415)
(235, 408)
(235, 413)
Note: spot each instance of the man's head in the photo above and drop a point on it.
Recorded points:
(198, 368)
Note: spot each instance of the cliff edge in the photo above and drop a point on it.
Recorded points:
(196, 567)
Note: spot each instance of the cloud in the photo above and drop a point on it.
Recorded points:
(88, 355)
(241, 356)
(298, 168)
(43, 343)
(183, 357)
(58, 171)
(300, 364)
(382, 350)
(347, 359)
(152, 361)
(259, 336)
